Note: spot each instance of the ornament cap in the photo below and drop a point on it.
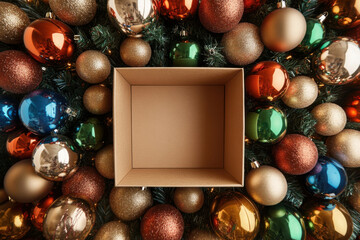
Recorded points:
(322, 17)
(183, 33)
(50, 15)
(76, 37)
(281, 4)
(255, 164)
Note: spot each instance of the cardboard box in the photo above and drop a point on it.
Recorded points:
(179, 127)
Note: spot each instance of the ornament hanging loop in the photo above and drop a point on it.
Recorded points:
(255, 164)
(281, 4)
(322, 17)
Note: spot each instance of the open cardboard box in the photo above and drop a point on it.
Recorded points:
(179, 127)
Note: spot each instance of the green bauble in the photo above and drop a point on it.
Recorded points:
(283, 222)
(89, 134)
(315, 33)
(185, 53)
(266, 124)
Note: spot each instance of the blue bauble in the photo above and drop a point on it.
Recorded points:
(8, 114)
(42, 111)
(327, 180)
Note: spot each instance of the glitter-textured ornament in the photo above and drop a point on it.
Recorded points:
(74, 12)
(175, 9)
(68, 218)
(14, 222)
(114, 230)
(13, 22)
(19, 73)
(104, 161)
(220, 16)
(352, 106)
(252, 5)
(21, 144)
(130, 203)
(344, 147)
(23, 185)
(185, 53)
(97, 99)
(8, 114)
(135, 52)
(302, 92)
(267, 81)
(93, 66)
(89, 134)
(344, 14)
(201, 234)
(242, 45)
(354, 199)
(162, 222)
(295, 154)
(330, 119)
(39, 210)
(86, 184)
(233, 216)
(189, 200)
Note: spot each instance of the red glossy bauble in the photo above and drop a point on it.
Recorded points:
(20, 144)
(178, 9)
(267, 81)
(252, 5)
(38, 212)
(49, 41)
(354, 33)
(352, 106)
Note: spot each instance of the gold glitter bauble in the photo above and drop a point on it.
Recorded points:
(344, 147)
(104, 161)
(74, 12)
(97, 99)
(302, 92)
(189, 200)
(130, 203)
(93, 66)
(13, 22)
(354, 199)
(135, 52)
(114, 230)
(14, 222)
(200, 234)
(330, 117)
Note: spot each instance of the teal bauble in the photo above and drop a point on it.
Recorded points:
(89, 135)
(283, 222)
(265, 124)
(185, 53)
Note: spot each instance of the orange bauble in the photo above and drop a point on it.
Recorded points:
(49, 41)
(38, 212)
(20, 144)
(267, 81)
(352, 107)
(178, 9)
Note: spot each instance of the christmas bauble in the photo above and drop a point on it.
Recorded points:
(14, 222)
(336, 61)
(74, 12)
(233, 216)
(344, 14)
(354, 199)
(295, 154)
(178, 10)
(49, 41)
(242, 45)
(353, 33)
(19, 73)
(327, 220)
(13, 22)
(39, 210)
(3, 196)
(265, 124)
(86, 184)
(252, 5)
(55, 158)
(267, 81)
(352, 106)
(131, 16)
(135, 52)
(23, 185)
(130, 203)
(200, 234)
(283, 29)
(104, 161)
(266, 185)
(42, 111)
(283, 221)
(89, 134)
(344, 147)
(330, 119)
(21, 144)
(68, 218)
(220, 16)
(114, 230)
(185, 54)
(189, 200)
(8, 114)
(302, 92)
(97, 99)
(93, 66)
(162, 222)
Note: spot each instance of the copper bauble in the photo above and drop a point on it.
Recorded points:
(130, 203)
(200, 234)
(175, 9)
(330, 118)
(86, 184)
(49, 41)
(19, 73)
(114, 230)
(23, 185)
(3, 196)
(97, 99)
(189, 200)
(353, 33)
(104, 161)
(20, 144)
(135, 52)
(295, 154)
(242, 45)
(162, 222)
(352, 106)
(220, 16)
(38, 212)
(354, 199)
(93, 66)
(302, 92)
(14, 222)
(13, 22)
(344, 14)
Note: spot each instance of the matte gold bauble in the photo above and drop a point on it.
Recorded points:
(14, 223)
(330, 117)
(114, 230)
(302, 92)
(135, 52)
(130, 203)
(189, 200)
(104, 161)
(23, 185)
(200, 234)
(93, 66)
(13, 22)
(344, 147)
(354, 199)
(97, 99)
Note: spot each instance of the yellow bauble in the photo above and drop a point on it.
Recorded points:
(14, 222)
(330, 117)
(114, 230)
(302, 92)
(104, 162)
